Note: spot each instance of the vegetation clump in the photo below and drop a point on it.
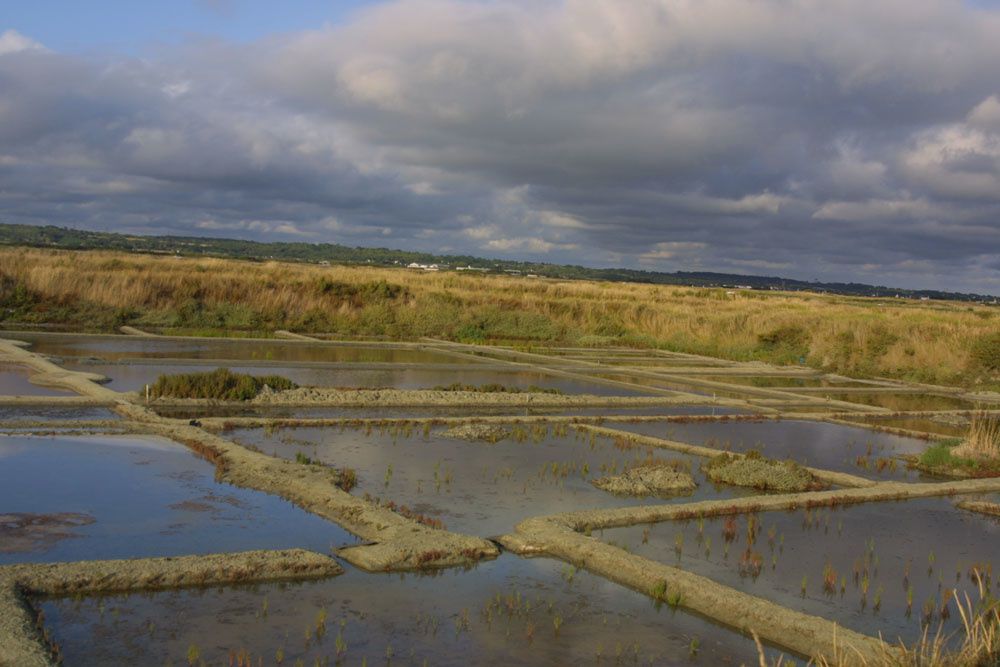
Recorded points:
(978, 455)
(220, 384)
(984, 354)
(491, 433)
(650, 478)
(756, 471)
(496, 388)
(786, 343)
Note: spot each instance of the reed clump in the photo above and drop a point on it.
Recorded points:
(983, 441)
(976, 643)
(220, 384)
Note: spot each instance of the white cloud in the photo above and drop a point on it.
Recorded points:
(986, 114)
(956, 160)
(672, 250)
(528, 244)
(878, 209)
(12, 41)
(556, 219)
(712, 133)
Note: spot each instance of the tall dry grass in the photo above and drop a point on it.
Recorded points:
(976, 644)
(940, 342)
(983, 441)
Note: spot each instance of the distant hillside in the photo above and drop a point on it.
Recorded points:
(75, 239)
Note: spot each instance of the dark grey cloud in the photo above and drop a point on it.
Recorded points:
(840, 140)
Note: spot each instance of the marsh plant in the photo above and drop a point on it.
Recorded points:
(220, 384)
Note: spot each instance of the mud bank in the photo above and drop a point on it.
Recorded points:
(559, 536)
(648, 479)
(884, 491)
(990, 509)
(222, 424)
(22, 642)
(545, 362)
(399, 543)
(313, 396)
(801, 633)
(290, 335)
(826, 476)
(47, 426)
(56, 401)
(891, 430)
(47, 374)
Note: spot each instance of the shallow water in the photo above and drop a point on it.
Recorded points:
(476, 487)
(145, 497)
(454, 618)
(14, 382)
(134, 376)
(932, 540)
(925, 424)
(817, 444)
(121, 347)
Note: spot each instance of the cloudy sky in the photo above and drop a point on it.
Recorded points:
(815, 139)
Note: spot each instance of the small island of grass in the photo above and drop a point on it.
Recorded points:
(977, 455)
(221, 384)
(756, 471)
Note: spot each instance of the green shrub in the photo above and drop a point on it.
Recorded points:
(784, 344)
(502, 324)
(610, 328)
(359, 294)
(220, 384)
(984, 355)
(789, 336)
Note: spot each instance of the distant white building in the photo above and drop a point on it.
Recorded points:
(423, 267)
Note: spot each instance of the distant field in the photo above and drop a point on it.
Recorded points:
(937, 342)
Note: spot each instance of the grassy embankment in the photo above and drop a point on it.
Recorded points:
(937, 342)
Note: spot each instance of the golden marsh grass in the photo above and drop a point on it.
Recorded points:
(937, 342)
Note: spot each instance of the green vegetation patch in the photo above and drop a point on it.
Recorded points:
(785, 344)
(495, 389)
(758, 472)
(984, 355)
(941, 458)
(220, 384)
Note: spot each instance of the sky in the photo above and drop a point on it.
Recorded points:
(814, 139)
